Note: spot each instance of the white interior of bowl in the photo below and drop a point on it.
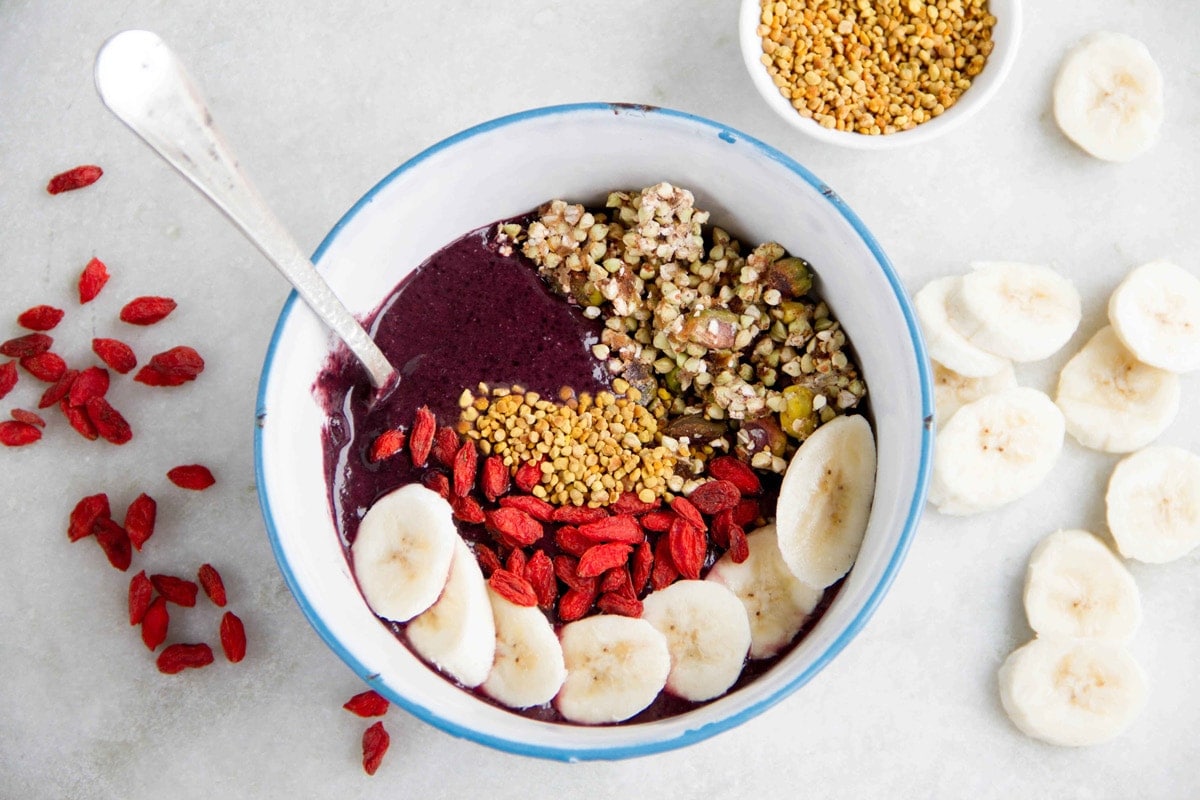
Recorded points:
(508, 167)
(1005, 36)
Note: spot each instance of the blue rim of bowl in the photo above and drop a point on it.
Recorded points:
(690, 736)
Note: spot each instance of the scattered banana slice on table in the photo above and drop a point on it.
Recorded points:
(1153, 504)
(1155, 312)
(952, 391)
(616, 666)
(1108, 96)
(946, 345)
(529, 667)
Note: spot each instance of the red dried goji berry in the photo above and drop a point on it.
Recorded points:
(688, 548)
(539, 571)
(613, 603)
(657, 521)
(47, 367)
(575, 603)
(739, 548)
(514, 527)
(233, 637)
(85, 514)
(78, 419)
(155, 623)
(566, 569)
(92, 382)
(191, 476)
(31, 344)
(108, 422)
(173, 367)
(512, 588)
(535, 507)
(570, 540)
(114, 542)
(18, 434)
(746, 512)
(528, 475)
(147, 310)
(74, 178)
(92, 280)
(640, 565)
(387, 444)
(436, 481)
(116, 354)
(494, 480)
(210, 581)
(445, 446)
(737, 472)
(621, 528)
(715, 496)
(8, 377)
(465, 464)
(178, 657)
(664, 572)
(579, 515)
(374, 745)
(40, 318)
(367, 704)
(719, 532)
(140, 593)
(466, 509)
(420, 437)
(684, 508)
(59, 390)
(602, 557)
(516, 562)
(139, 519)
(630, 503)
(28, 417)
(179, 591)
(489, 562)
(618, 581)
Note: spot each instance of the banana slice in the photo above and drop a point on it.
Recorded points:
(1112, 401)
(616, 666)
(529, 668)
(1072, 692)
(1108, 96)
(825, 501)
(1076, 588)
(402, 553)
(952, 391)
(708, 636)
(1022, 312)
(1156, 315)
(777, 602)
(1153, 504)
(458, 633)
(995, 450)
(946, 345)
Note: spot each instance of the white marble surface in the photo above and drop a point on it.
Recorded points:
(321, 101)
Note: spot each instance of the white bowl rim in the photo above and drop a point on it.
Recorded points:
(690, 736)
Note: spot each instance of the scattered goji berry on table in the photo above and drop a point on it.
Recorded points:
(375, 744)
(387, 444)
(178, 657)
(92, 382)
(74, 178)
(31, 344)
(179, 591)
(141, 591)
(8, 377)
(47, 367)
(116, 354)
(40, 318)
(85, 514)
(214, 587)
(191, 476)
(28, 417)
(114, 542)
(147, 310)
(367, 704)
(139, 519)
(109, 423)
(155, 623)
(173, 367)
(92, 280)
(233, 637)
(59, 390)
(18, 434)
(78, 419)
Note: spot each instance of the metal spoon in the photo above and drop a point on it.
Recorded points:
(146, 86)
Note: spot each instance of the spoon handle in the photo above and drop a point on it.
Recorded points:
(146, 87)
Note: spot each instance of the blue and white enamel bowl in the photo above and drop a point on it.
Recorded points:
(506, 167)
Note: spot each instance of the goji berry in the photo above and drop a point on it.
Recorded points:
(684, 508)
(114, 542)
(387, 444)
(92, 382)
(31, 344)
(92, 280)
(739, 548)
(74, 178)
(108, 422)
(47, 367)
(40, 318)
(579, 515)
(512, 588)
(721, 524)
(28, 417)
(233, 637)
(566, 569)
(8, 377)
(116, 354)
(140, 593)
(489, 562)
(173, 367)
(640, 565)
(746, 512)
(78, 419)
(18, 434)
(516, 562)
(621, 528)
(139, 519)
(514, 527)
(570, 540)
(466, 509)
(630, 503)
(445, 446)
(179, 591)
(210, 581)
(664, 572)
(539, 571)
(155, 623)
(535, 507)
(618, 581)
(602, 557)
(374, 745)
(494, 480)
(178, 657)
(59, 390)
(575, 603)
(737, 472)
(613, 603)
(528, 475)
(465, 464)
(715, 496)
(657, 521)
(688, 548)
(191, 476)
(147, 310)
(85, 514)
(367, 704)
(437, 482)
(420, 438)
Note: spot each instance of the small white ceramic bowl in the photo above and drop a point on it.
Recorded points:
(1005, 36)
(507, 167)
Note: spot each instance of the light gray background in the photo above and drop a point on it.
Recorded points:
(321, 100)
